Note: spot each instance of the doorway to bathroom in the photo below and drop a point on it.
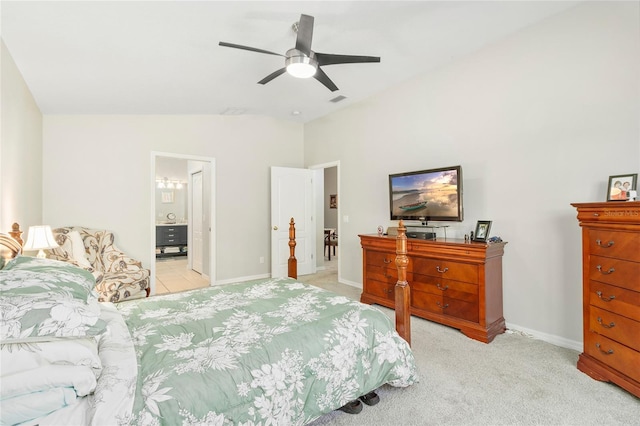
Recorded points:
(184, 249)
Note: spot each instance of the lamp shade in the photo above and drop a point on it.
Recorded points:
(40, 238)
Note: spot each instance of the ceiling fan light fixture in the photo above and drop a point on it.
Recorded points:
(300, 65)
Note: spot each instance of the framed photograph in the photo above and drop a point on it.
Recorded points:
(167, 196)
(482, 230)
(333, 201)
(620, 185)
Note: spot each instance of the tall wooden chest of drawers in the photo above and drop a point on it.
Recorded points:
(452, 282)
(611, 292)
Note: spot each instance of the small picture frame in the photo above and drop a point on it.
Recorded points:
(333, 201)
(167, 197)
(483, 227)
(620, 185)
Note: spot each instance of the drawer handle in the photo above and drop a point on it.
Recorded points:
(599, 243)
(388, 276)
(442, 288)
(442, 271)
(609, 352)
(610, 325)
(599, 268)
(386, 261)
(605, 299)
(388, 290)
(442, 307)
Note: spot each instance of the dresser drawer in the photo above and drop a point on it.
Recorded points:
(381, 289)
(621, 273)
(616, 327)
(613, 354)
(461, 309)
(466, 309)
(615, 299)
(446, 269)
(618, 244)
(382, 273)
(426, 301)
(379, 258)
(446, 288)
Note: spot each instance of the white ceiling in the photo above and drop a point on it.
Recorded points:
(162, 57)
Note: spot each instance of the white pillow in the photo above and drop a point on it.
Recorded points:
(77, 249)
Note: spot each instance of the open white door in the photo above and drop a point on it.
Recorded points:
(292, 197)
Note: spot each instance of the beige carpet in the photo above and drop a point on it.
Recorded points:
(515, 380)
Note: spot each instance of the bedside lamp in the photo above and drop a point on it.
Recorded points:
(40, 238)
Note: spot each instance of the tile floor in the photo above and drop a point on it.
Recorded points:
(172, 276)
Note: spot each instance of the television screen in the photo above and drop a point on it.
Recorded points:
(425, 195)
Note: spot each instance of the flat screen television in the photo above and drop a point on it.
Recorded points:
(427, 195)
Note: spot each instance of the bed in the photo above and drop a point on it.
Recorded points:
(263, 352)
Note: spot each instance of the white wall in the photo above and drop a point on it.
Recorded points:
(20, 150)
(537, 121)
(98, 169)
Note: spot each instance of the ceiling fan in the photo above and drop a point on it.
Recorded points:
(301, 61)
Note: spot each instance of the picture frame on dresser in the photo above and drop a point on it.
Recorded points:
(620, 185)
(481, 233)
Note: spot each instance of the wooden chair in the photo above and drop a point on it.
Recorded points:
(330, 240)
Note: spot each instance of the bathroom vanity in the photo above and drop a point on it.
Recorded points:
(171, 240)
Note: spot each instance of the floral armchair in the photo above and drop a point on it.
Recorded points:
(118, 277)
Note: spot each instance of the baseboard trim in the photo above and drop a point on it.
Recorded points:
(549, 338)
(351, 283)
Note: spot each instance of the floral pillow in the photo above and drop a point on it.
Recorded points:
(43, 299)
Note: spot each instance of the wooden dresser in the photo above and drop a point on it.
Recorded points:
(452, 282)
(611, 292)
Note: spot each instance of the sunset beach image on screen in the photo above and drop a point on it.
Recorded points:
(434, 194)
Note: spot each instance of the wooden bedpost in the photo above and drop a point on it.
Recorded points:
(292, 267)
(403, 291)
(16, 233)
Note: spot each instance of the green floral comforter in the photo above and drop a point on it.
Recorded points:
(273, 352)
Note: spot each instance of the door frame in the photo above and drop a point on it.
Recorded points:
(212, 210)
(320, 211)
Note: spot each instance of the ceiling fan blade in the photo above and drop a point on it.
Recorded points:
(324, 79)
(330, 59)
(251, 49)
(305, 34)
(272, 76)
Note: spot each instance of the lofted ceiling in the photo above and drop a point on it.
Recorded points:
(162, 57)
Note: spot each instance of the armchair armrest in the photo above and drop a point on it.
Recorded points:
(114, 259)
(124, 277)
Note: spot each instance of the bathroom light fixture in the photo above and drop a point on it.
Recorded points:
(40, 238)
(169, 184)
